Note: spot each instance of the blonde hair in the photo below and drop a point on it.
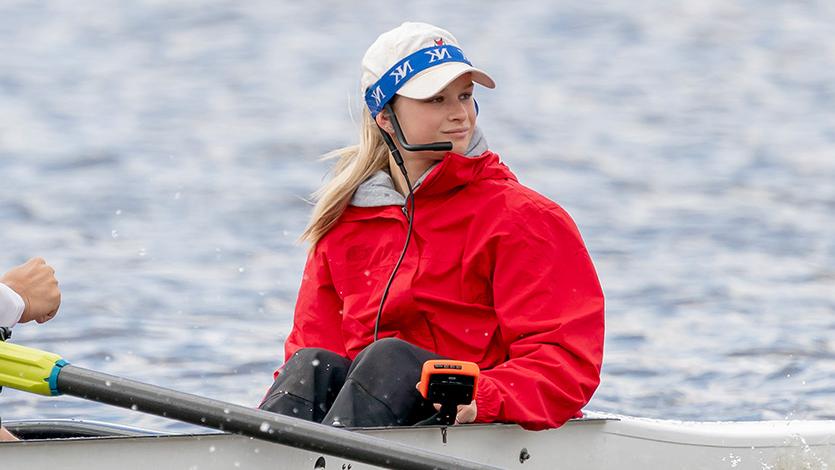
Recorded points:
(356, 164)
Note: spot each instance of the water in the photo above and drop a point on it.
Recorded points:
(160, 154)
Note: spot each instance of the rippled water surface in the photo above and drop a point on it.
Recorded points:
(160, 154)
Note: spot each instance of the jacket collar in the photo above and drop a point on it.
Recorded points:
(453, 172)
(378, 190)
(456, 171)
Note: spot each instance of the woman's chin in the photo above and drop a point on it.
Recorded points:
(460, 147)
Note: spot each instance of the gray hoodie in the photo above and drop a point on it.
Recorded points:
(378, 189)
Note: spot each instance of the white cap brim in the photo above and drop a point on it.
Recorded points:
(433, 80)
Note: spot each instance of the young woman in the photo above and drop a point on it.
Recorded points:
(446, 256)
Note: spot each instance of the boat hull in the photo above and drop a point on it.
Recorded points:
(592, 443)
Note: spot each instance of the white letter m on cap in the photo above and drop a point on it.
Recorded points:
(378, 95)
(400, 72)
(438, 54)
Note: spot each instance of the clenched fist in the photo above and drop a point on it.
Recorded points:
(35, 282)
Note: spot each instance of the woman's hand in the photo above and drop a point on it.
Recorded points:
(466, 413)
(35, 282)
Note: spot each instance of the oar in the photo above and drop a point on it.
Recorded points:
(47, 374)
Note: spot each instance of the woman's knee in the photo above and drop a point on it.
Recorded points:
(385, 347)
(313, 362)
(385, 357)
(314, 357)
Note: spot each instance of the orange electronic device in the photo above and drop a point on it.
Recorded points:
(450, 383)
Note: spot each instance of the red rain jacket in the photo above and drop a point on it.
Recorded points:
(495, 273)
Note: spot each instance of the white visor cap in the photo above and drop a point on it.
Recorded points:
(392, 46)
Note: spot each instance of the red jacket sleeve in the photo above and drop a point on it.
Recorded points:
(317, 321)
(550, 311)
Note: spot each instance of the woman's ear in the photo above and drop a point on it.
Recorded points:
(384, 122)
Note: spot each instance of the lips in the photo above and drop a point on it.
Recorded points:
(457, 132)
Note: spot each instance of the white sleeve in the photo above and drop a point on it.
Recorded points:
(11, 306)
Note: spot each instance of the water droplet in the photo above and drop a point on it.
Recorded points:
(241, 269)
(257, 450)
(211, 449)
(114, 234)
(301, 381)
(314, 362)
(107, 383)
(367, 273)
(734, 460)
(107, 358)
(226, 411)
(177, 195)
(265, 426)
(295, 411)
(134, 407)
(118, 211)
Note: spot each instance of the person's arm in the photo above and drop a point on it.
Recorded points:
(11, 306)
(317, 322)
(549, 305)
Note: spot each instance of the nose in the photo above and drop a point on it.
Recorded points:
(458, 111)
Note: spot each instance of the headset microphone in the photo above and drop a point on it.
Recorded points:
(433, 147)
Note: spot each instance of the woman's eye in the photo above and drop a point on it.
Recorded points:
(466, 96)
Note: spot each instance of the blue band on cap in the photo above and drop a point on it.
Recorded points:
(385, 88)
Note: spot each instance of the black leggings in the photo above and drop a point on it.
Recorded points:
(377, 389)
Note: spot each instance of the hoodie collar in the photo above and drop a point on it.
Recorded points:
(378, 189)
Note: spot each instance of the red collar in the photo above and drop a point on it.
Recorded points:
(453, 172)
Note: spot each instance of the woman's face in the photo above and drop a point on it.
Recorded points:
(449, 116)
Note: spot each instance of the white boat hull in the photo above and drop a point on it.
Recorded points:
(593, 443)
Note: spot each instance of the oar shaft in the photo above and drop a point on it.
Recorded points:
(251, 422)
